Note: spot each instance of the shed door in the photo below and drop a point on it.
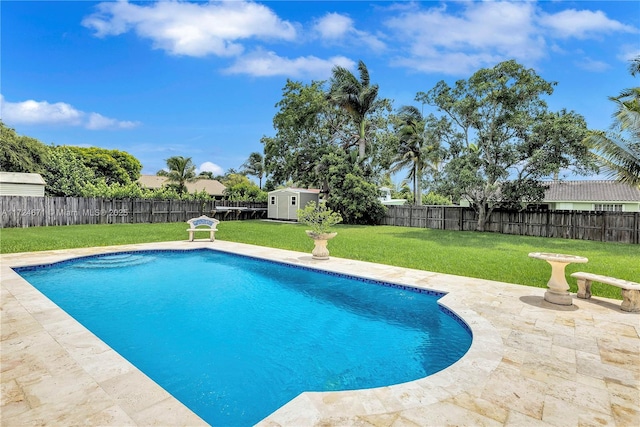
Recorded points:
(282, 206)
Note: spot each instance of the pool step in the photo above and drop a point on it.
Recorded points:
(116, 261)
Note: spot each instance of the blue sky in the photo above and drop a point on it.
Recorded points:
(201, 79)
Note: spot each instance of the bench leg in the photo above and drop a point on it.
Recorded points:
(630, 300)
(191, 236)
(212, 236)
(584, 288)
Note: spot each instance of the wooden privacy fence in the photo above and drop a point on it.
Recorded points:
(622, 227)
(19, 211)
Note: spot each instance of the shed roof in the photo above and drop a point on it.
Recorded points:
(211, 186)
(297, 190)
(585, 191)
(21, 178)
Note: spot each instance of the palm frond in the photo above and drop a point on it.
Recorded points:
(619, 158)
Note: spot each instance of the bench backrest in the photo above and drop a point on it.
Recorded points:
(204, 221)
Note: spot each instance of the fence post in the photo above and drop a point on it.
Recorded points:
(444, 218)
(547, 228)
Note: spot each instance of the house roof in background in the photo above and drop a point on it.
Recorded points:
(211, 186)
(587, 191)
(21, 178)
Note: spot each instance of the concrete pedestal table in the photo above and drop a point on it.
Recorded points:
(558, 292)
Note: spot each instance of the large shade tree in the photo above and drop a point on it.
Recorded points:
(356, 96)
(20, 153)
(311, 148)
(504, 140)
(618, 151)
(112, 166)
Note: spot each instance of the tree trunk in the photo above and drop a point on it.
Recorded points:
(361, 141)
(361, 148)
(417, 189)
(482, 217)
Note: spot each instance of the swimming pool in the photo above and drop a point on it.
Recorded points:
(297, 330)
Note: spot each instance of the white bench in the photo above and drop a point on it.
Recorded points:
(630, 290)
(206, 224)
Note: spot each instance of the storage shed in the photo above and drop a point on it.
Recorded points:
(284, 203)
(21, 184)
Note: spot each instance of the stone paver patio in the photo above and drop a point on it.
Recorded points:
(530, 363)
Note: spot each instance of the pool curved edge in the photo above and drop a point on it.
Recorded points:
(120, 379)
(344, 407)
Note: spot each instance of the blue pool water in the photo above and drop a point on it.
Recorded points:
(234, 338)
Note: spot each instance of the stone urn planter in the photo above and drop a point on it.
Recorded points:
(319, 218)
(320, 241)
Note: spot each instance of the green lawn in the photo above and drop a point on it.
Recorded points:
(483, 255)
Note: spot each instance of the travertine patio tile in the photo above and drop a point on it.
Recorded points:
(381, 420)
(589, 345)
(624, 353)
(559, 413)
(621, 394)
(591, 365)
(12, 399)
(625, 415)
(134, 391)
(618, 329)
(167, 412)
(582, 395)
(444, 413)
(301, 411)
(541, 368)
(518, 419)
(105, 366)
(480, 406)
(514, 356)
(591, 381)
(563, 354)
(537, 344)
(523, 394)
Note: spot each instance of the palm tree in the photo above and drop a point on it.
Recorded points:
(254, 166)
(618, 151)
(419, 149)
(181, 171)
(356, 97)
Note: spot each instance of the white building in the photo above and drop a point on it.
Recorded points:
(21, 184)
(285, 202)
(611, 196)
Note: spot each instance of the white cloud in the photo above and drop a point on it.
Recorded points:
(265, 64)
(59, 113)
(211, 167)
(192, 29)
(628, 52)
(582, 24)
(479, 34)
(98, 121)
(334, 27)
(34, 112)
(592, 65)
